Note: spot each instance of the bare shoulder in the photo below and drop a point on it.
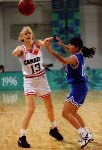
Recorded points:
(73, 60)
(18, 50)
(39, 43)
(73, 57)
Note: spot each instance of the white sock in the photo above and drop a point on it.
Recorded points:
(53, 124)
(86, 129)
(23, 132)
(82, 132)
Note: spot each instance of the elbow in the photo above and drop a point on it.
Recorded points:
(13, 54)
(64, 61)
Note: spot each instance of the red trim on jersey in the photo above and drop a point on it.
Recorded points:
(45, 95)
(30, 93)
(36, 45)
(36, 75)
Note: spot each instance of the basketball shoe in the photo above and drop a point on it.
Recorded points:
(85, 139)
(23, 143)
(55, 133)
(80, 138)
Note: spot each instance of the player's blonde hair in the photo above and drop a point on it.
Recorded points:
(27, 28)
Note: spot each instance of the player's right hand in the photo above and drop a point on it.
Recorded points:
(59, 41)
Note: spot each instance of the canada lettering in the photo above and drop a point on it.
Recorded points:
(30, 61)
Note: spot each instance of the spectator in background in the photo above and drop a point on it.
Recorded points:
(2, 69)
(63, 67)
(46, 66)
(88, 68)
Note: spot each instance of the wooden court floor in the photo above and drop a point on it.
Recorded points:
(12, 109)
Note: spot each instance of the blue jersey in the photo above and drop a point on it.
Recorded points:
(76, 74)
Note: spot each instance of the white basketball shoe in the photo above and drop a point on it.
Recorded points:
(85, 139)
(80, 138)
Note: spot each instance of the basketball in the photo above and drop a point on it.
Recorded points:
(26, 7)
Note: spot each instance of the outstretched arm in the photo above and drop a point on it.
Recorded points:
(71, 60)
(61, 43)
(41, 43)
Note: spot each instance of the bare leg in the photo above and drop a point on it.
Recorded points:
(53, 130)
(76, 115)
(48, 103)
(30, 109)
(68, 107)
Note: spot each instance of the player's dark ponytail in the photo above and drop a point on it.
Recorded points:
(88, 52)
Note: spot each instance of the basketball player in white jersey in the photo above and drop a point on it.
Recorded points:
(35, 82)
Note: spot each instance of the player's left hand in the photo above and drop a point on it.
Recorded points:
(48, 39)
(46, 43)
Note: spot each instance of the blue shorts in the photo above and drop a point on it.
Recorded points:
(77, 94)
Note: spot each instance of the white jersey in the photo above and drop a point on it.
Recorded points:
(32, 62)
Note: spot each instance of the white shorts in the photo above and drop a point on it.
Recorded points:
(37, 86)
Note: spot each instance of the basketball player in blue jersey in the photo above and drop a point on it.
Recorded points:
(75, 72)
(35, 82)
